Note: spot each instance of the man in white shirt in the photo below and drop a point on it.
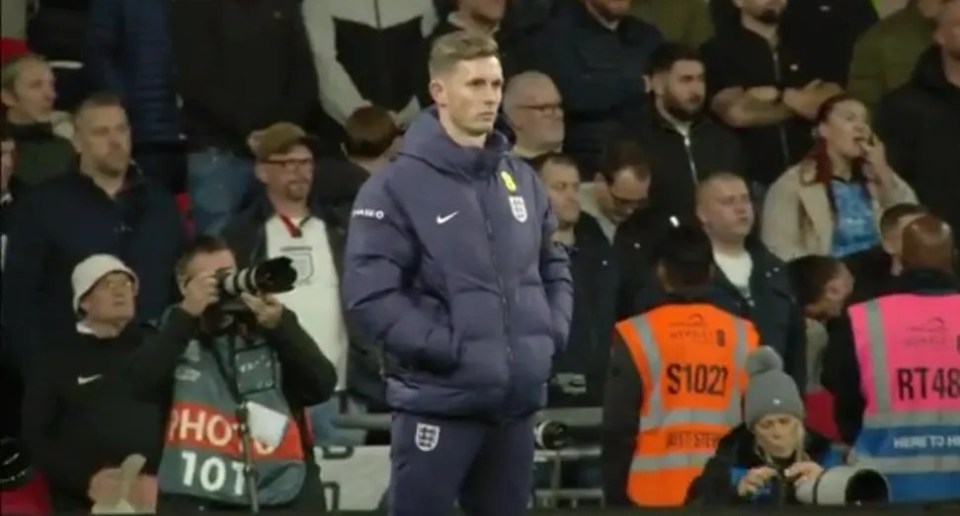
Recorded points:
(284, 223)
(751, 281)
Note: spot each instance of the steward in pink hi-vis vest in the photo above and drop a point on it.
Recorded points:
(908, 350)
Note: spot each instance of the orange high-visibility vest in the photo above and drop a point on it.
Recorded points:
(691, 360)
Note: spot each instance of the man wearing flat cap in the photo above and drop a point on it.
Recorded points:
(80, 422)
(893, 366)
(285, 221)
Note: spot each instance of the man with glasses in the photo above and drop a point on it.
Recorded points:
(283, 222)
(618, 197)
(532, 105)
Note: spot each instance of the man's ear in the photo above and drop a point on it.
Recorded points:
(438, 92)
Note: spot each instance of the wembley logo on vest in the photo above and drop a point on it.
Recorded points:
(204, 453)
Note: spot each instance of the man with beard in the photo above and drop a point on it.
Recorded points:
(285, 223)
(759, 85)
(684, 145)
(105, 206)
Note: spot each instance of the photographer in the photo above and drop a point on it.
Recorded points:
(763, 460)
(236, 377)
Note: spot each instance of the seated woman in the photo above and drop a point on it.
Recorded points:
(765, 458)
(830, 202)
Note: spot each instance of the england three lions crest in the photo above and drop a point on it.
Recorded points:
(426, 437)
(518, 207)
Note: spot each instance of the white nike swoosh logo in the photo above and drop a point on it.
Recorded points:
(445, 219)
(83, 380)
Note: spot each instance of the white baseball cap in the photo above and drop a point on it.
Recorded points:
(91, 270)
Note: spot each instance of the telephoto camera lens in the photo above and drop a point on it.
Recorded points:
(272, 276)
(551, 435)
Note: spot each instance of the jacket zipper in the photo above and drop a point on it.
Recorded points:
(784, 148)
(504, 302)
(688, 148)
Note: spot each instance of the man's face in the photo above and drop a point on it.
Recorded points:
(488, 10)
(470, 93)
(610, 9)
(619, 199)
(102, 138)
(288, 175)
(563, 188)
(111, 300)
(537, 117)
(725, 209)
(764, 11)
(948, 30)
(208, 262)
(7, 163)
(681, 90)
(33, 93)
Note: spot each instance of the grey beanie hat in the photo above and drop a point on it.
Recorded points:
(770, 391)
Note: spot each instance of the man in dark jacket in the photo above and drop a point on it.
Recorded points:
(80, 420)
(580, 370)
(685, 145)
(596, 54)
(920, 122)
(370, 141)
(751, 281)
(761, 82)
(450, 263)
(241, 66)
(130, 53)
(498, 19)
(106, 206)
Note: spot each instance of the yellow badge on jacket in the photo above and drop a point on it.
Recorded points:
(508, 181)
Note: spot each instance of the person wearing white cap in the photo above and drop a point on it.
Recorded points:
(79, 420)
(104, 291)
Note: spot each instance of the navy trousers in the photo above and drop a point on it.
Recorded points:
(435, 462)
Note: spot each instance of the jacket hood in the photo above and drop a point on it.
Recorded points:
(928, 74)
(427, 141)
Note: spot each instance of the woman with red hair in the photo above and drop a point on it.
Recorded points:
(830, 203)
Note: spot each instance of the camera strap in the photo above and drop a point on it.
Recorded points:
(229, 376)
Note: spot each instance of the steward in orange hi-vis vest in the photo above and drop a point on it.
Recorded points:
(675, 387)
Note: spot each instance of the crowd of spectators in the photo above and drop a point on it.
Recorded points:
(801, 135)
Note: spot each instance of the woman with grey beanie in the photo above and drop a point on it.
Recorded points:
(761, 461)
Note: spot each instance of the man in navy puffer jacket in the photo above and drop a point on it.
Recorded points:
(450, 264)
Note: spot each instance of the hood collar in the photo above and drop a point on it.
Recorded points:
(427, 141)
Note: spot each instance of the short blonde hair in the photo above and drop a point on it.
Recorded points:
(450, 49)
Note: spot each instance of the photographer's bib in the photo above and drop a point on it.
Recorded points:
(204, 455)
